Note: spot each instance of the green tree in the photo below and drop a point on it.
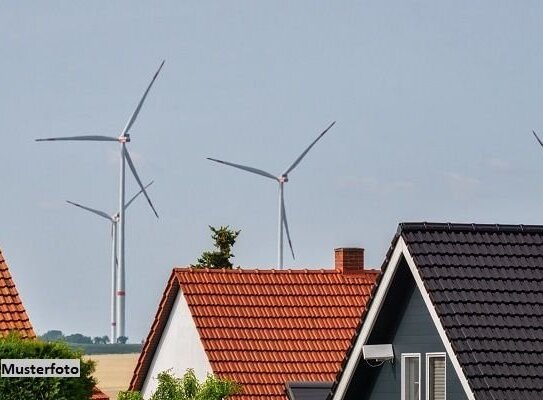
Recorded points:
(223, 238)
(122, 339)
(78, 338)
(13, 346)
(187, 388)
(52, 336)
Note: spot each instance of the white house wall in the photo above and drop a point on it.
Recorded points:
(179, 348)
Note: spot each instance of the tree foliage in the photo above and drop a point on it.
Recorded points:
(78, 338)
(100, 340)
(129, 395)
(122, 339)
(80, 388)
(53, 335)
(171, 387)
(224, 239)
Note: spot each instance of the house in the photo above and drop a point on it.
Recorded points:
(458, 314)
(261, 328)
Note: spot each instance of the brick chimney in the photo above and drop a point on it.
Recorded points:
(349, 259)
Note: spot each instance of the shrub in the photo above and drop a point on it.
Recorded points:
(80, 388)
(187, 388)
(129, 395)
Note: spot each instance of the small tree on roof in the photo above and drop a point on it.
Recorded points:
(224, 239)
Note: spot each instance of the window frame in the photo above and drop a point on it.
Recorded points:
(427, 374)
(402, 379)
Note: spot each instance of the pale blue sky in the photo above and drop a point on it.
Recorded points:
(434, 102)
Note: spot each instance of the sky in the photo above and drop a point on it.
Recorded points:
(434, 102)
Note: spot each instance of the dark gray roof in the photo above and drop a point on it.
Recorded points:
(486, 283)
(308, 390)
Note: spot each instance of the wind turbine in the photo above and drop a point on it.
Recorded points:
(114, 219)
(281, 179)
(125, 158)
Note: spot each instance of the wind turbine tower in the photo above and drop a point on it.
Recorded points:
(125, 158)
(114, 219)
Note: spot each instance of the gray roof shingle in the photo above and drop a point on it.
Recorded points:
(307, 390)
(486, 283)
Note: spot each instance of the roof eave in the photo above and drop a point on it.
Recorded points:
(155, 333)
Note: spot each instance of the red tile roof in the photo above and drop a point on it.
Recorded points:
(13, 316)
(263, 328)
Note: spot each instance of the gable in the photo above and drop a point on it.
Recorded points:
(483, 287)
(179, 348)
(397, 267)
(404, 322)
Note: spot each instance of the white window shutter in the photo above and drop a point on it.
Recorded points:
(436, 377)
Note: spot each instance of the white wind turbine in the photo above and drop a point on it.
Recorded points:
(281, 179)
(114, 219)
(125, 158)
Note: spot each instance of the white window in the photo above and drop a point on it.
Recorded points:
(410, 376)
(435, 376)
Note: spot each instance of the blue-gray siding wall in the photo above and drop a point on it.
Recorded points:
(415, 333)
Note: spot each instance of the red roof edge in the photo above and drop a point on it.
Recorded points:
(26, 331)
(97, 394)
(155, 333)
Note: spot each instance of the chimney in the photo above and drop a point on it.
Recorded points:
(349, 259)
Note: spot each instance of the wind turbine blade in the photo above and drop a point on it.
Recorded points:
(295, 163)
(286, 226)
(136, 195)
(245, 168)
(538, 139)
(92, 138)
(137, 110)
(133, 169)
(92, 210)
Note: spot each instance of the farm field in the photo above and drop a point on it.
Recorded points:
(114, 371)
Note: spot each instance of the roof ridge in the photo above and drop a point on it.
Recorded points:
(271, 271)
(471, 227)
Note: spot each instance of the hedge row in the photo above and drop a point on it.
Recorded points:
(80, 388)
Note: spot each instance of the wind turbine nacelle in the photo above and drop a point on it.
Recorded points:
(283, 178)
(125, 138)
